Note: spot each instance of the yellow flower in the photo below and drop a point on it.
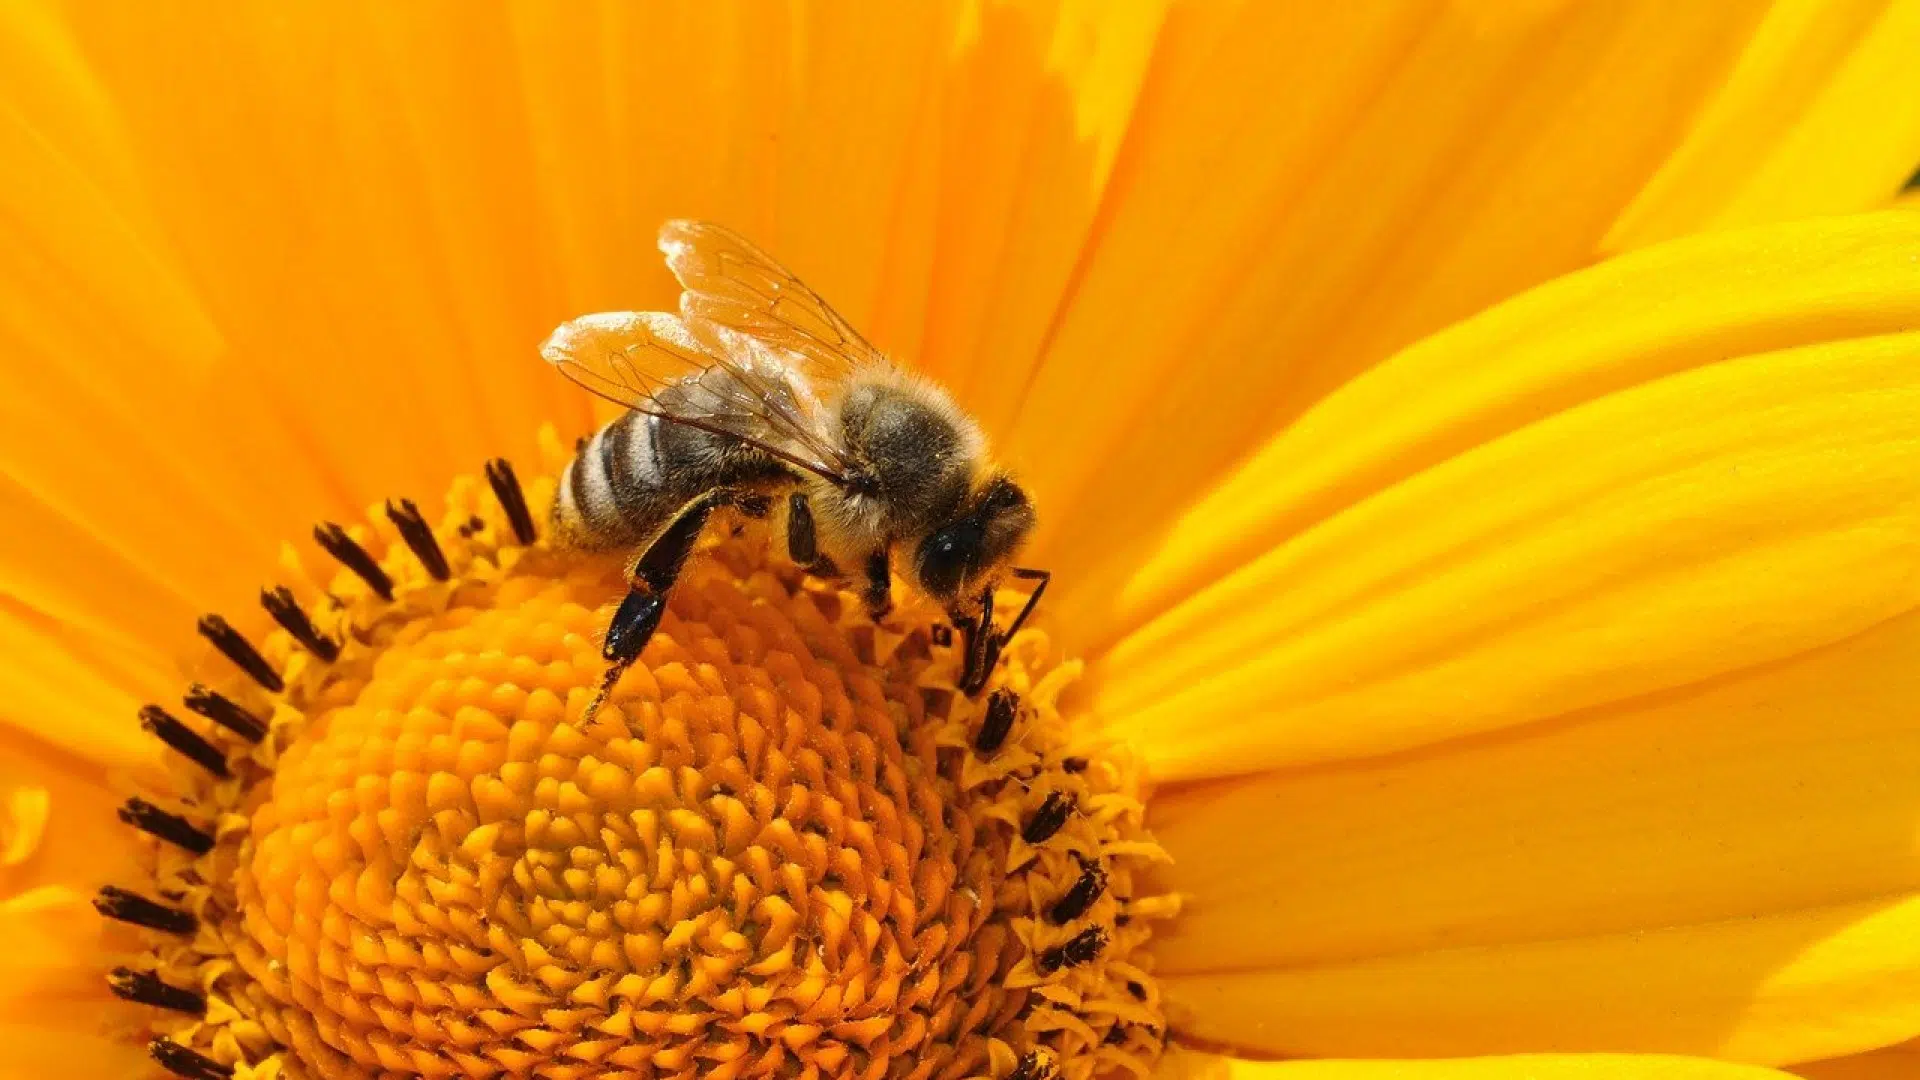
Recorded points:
(1522, 645)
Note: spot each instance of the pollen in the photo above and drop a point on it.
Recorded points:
(786, 846)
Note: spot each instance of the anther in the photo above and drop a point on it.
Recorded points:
(172, 828)
(146, 988)
(130, 907)
(1076, 950)
(1048, 819)
(224, 711)
(287, 611)
(1074, 765)
(1002, 707)
(1138, 989)
(1033, 1066)
(241, 651)
(161, 725)
(351, 555)
(187, 1064)
(1076, 900)
(419, 537)
(506, 488)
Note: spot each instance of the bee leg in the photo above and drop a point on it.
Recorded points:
(645, 604)
(878, 592)
(979, 647)
(802, 545)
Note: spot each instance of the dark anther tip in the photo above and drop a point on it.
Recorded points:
(351, 555)
(162, 725)
(1081, 895)
(1048, 819)
(130, 907)
(147, 988)
(414, 529)
(226, 712)
(1002, 707)
(292, 618)
(506, 489)
(224, 637)
(1034, 1065)
(170, 827)
(185, 1063)
(1076, 950)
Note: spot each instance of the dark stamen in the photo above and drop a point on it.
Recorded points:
(1002, 707)
(146, 988)
(419, 537)
(1074, 765)
(161, 724)
(354, 557)
(187, 1064)
(1048, 819)
(224, 711)
(131, 907)
(1034, 1066)
(506, 488)
(241, 652)
(1075, 902)
(1076, 950)
(172, 828)
(287, 611)
(1137, 989)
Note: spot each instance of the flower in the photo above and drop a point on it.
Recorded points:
(1522, 647)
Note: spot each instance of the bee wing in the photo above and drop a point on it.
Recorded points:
(731, 283)
(725, 383)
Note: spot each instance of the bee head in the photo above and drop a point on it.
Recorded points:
(986, 533)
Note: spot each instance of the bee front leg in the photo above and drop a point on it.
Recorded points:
(803, 544)
(979, 647)
(645, 604)
(878, 591)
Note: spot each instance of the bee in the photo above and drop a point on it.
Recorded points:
(757, 389)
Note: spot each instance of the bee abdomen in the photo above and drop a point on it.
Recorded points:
(609, 487)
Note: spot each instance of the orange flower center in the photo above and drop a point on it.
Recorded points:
(786, 846)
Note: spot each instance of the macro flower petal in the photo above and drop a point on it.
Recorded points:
(58, 1018)
(1181, 1064)
(1820, 116)
(1724, 869)
(1667, 468)
(1888, 1063)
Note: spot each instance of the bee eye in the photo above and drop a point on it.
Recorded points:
(942, 561)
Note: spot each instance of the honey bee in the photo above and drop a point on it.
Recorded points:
(754, 389)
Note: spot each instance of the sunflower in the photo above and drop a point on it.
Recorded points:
(1475, 443)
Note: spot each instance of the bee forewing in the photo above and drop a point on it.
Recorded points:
(625, 356)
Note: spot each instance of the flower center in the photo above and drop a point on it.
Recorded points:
(785, 846)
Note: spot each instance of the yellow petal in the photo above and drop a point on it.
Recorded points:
(1821, 116)
(60, 1018)
(1722, 870)
(1774, 989)
(1900, 1062)
(1180, 1064)
(1673, 466)
(1308, 187)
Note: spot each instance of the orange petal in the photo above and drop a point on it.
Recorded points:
(1723, 870)
(1900, 1062)
(1180, 1064)
(1308, 187)
(59, 1017)
(1820, 116)
(1672, 466)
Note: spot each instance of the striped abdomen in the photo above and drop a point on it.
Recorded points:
(631, 478)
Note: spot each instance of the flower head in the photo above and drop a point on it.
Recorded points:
(1478, 479)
